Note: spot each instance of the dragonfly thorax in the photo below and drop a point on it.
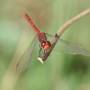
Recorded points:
(42, 37)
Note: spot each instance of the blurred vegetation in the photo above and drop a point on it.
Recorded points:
(61, 71)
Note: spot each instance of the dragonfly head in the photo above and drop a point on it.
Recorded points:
(45, 45)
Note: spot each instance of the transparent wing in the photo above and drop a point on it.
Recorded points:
(70, 48)
(27, 57)
(73, 48)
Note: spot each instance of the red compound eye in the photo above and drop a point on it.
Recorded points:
(47, 45)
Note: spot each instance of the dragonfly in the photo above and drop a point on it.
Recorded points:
(46, 46)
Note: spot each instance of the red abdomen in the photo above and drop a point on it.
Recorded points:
(32, 23)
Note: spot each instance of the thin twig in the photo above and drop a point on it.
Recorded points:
(61, 31)
(71, 21)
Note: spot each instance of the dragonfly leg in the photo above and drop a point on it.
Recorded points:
(56, 36)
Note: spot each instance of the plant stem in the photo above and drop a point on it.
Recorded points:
(71, 21)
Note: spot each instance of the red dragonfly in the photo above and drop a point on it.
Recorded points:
(46, 46)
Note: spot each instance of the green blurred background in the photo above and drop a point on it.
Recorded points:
(61, 71)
